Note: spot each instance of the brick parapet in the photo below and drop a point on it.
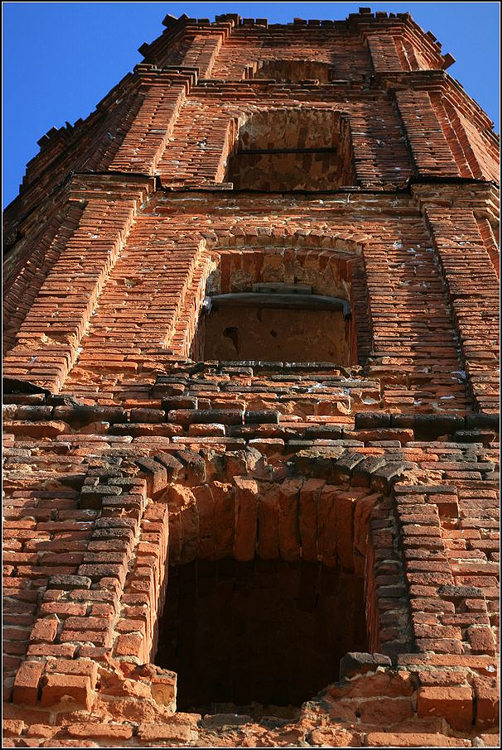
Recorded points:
(392, 26)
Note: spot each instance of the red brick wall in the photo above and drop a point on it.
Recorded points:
(123, 454)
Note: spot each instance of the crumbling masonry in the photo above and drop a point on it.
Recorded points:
(251, 403)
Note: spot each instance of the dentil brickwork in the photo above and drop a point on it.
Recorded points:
(250, 400)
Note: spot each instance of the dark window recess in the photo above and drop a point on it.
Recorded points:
(258, 637)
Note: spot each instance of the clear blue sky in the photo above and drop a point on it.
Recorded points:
(60, 59)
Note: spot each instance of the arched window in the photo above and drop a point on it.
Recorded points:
(302, 316)
(292, 149)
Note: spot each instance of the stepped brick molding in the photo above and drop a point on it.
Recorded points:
(251, 405)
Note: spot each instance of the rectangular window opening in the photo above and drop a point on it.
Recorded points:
(259, 612)
(292, 149)
(258, 637)
(275, 334)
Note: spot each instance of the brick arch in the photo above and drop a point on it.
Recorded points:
(178, 485)
(112, 657)
(393, 667)
(290, 69)
(234, 57)
(265, 57)
(264, 242)
(240, 114)
(311, 245)
(127, 560)
(273, 236)
(372, 505)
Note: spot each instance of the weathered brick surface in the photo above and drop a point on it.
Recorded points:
(126, 449)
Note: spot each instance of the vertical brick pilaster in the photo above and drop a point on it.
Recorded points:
(163, 95)
(384, 54)
(48, 340)
(427, 567)
(431, 151)
(203, 52)
(473, 291)
(35, 260)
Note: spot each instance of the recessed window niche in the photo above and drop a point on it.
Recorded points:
(267, 590)
(277, 324)
(291, 71)
(292, 149)
(278, 306)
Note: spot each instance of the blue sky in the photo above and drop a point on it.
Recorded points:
(60, 59)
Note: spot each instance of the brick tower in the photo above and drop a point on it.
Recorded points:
(250, 400)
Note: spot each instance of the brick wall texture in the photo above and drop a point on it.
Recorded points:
(334, 154)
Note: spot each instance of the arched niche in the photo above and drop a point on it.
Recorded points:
(277, 304)
(289, 149)
(291, 71)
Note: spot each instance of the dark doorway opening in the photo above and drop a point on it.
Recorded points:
(260, 633)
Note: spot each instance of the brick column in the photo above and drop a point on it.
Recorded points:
(473, 291)
(383, 52)
(163, 94)
(49, 338)
(430, 149)
(203, 52)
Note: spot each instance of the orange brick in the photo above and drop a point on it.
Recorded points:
(99, 731)
(452, 703)
(27, 681)
(69, 690)
(487, 702)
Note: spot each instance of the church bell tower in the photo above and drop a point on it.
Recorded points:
(250, 399)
